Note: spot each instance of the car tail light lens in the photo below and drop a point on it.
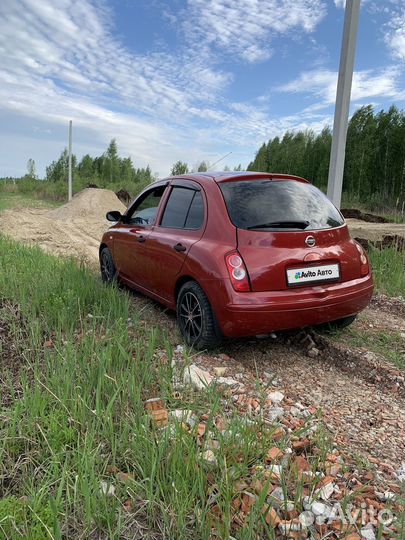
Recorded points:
(364, 266)
(237, 272)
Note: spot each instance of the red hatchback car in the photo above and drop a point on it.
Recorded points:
(238, 254)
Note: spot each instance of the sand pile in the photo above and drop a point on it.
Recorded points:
(90, 203)
(74, 229)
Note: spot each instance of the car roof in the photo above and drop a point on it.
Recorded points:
(234, 176)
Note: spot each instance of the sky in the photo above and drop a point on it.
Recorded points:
(186, 80)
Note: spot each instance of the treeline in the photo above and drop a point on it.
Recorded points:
(109, 168)
(375, 156)
(106, 171)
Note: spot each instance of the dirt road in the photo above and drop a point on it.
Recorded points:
(74, 229)
(360, 392)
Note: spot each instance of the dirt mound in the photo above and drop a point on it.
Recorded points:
(388, 241)
(374, 232)
(74, 229)
(354, 213)
(124, 196)
(91, 203)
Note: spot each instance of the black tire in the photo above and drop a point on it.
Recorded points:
(337, 325)
(346, 321)
(107, 266)
(195, 317)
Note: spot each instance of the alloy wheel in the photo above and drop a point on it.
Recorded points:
(107, 266)
(190, 314)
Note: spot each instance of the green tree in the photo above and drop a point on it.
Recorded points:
(375, 155)
(85, 168)
(202, 167)
(58, 170)
(31, 169)
(179, 167)
(111, 165)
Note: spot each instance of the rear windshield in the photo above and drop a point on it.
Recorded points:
(279, 205)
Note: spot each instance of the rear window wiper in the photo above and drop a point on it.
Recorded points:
(299, 224)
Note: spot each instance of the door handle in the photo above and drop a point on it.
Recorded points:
(138, 235)
(179, 247)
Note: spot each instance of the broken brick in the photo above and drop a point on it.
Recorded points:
(273, 454)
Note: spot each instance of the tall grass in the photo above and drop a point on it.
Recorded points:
(388, 270)
(88, 366)
(393, 209)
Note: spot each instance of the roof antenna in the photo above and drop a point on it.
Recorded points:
(220, 159)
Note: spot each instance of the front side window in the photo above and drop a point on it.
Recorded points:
(145, 211)
(279, 205)
(184, 209)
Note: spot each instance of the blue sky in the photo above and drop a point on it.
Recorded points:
(182, 79)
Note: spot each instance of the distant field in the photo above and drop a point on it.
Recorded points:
(22, 200)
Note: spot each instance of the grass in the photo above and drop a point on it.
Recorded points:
(22, 200)
(388, 270)
(390, 209)
(87, 365)
(388, 344)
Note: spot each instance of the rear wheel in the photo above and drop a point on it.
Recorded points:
(346, 321)
(107, 266)
(337, 325)
(195, 317)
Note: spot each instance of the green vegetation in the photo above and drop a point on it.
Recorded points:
(374, 173)
(108, 171)
(11, 199)
(388, 270)
(386, 343)
(80, 417)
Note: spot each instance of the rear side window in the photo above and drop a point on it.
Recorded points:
(279, 205)
(184, 209)
(195, 216)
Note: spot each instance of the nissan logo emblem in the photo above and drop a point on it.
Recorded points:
(310, 241)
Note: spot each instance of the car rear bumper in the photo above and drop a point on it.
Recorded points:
(244, 314)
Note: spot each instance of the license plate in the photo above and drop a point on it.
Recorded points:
(312, 274)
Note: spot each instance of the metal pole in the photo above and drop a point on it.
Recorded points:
(70, 162)
(337, 155)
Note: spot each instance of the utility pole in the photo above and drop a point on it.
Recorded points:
(70, 162)
(337, 155)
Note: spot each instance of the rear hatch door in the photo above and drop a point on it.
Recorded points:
(289, 234)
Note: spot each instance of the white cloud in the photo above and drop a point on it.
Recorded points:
(394, 33)
(246, 28)
(366, 84)
(63, 62)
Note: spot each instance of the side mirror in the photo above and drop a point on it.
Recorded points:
(114, 215)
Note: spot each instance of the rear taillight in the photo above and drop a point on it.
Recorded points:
(364, 266)
(237, 272)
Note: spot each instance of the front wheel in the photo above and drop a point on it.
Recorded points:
(195, 317)
(107, 266)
